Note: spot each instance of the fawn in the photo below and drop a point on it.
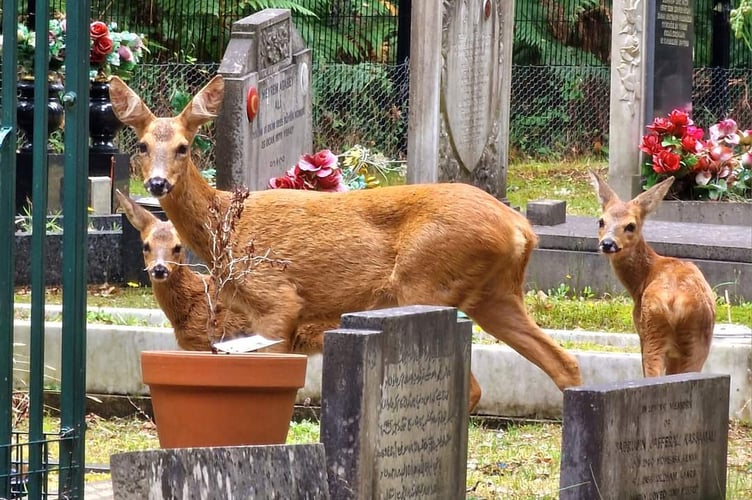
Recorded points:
(440, 244)
(183, 294)
(674, 307)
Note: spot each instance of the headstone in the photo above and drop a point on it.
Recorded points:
(656, 438)
(458, 127)
(651, 74)
(273, 471)
(394, 411)
(265, 123)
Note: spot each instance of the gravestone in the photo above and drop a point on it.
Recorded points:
(460, 73)
(293, 472)
(663, 437)
(394, 411)
(651, 74)
(265, 122)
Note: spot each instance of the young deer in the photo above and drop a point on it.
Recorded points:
(183, 294)
(441, 244)
(674, 307)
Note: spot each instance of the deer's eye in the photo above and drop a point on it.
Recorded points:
(147, 248)
(601, 223)
(630, 228)
(182, 150)
(176, 249)
(142, 148)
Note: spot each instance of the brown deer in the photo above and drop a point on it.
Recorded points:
(440, 244)
(674, 307)
(183, 294)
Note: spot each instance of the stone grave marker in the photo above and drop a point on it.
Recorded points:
(394, 416)
(654, 438)
(265, 122)
(651, 74)
(460, 73)
(294, 472)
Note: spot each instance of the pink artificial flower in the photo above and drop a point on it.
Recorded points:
(332, 182)
(695, 132)
(314, 163)
(723, 129)
(125, 53)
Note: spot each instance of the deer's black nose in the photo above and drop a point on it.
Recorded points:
(158, 186)
(160, 272)
(608, 245)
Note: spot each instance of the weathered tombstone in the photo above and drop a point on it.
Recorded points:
(458, 126)
(663, 437)
(265, 123)
(273, 471)
(651, 74)
(394, 413)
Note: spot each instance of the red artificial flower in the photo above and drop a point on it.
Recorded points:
(695, 132)
(98, 29)
(680, 121)
(662, 126)
(651, 144)
(691, 144)
(100, 49)
(666, 162)
(332, 182)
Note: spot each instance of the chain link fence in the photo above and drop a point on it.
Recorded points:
(361, 104)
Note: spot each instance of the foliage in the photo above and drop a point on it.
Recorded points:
(359, 104)
(717, 168)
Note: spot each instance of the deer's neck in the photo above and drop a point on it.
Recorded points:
(182, 297)
(633, 268)
(187, 204)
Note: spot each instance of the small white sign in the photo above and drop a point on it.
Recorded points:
(244, 344)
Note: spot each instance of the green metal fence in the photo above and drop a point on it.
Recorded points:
(35, 462)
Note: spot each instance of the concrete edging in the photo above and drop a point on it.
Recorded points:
(113, 366)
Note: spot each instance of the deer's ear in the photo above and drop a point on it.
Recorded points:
(604, 192)
(650, 199)
(128, 106)
(205, 105)
(141, 218)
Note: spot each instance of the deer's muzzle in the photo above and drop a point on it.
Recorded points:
(158, 186)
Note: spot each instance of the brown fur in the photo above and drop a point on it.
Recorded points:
(440, 244)
(674, 307)
(183, 294)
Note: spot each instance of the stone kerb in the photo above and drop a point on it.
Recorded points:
(663, 437)
(394, 414)
(273, 471)
(265, 123)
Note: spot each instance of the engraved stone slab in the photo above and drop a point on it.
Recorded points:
(394, 414)
(663, 437)
(265, 123)
(471, 83)
(274, 471)
(672, 57)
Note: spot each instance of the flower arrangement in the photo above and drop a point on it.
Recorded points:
(26, 43)
(114, 52)
(719, 167)
(357, 168)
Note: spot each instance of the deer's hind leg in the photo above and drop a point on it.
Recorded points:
(504, 316)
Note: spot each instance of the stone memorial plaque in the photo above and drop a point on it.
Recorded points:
(656, 438)
(672, 57)
(471, 81)
(265, 123)
(394, 415)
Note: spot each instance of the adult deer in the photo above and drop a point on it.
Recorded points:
(441, 244)
(674, 307)
(183, 295)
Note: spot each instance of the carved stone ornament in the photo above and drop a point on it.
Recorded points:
(274, 44)
(628, 65)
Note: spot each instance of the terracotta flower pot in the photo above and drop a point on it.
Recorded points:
(204, 399)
